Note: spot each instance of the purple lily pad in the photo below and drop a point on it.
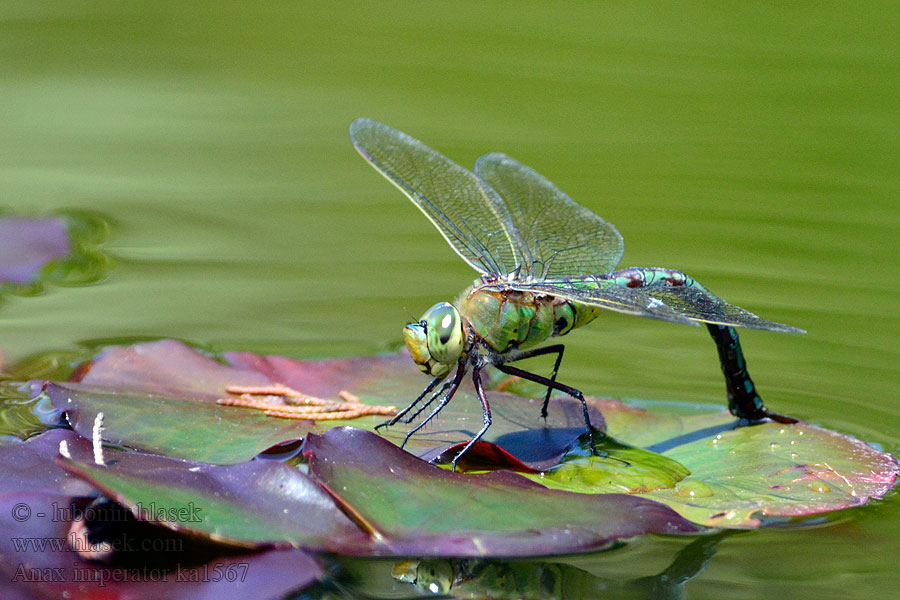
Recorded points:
(38, 500)
(26, 245)
(400, 505)
(418, 509)
(29, 468)
(257, 504)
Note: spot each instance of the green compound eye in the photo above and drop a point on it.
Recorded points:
(444, 332)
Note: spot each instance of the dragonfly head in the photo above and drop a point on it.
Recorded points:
(436, 341)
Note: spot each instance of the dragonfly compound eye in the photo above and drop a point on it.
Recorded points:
(417, 344)
(443, 329)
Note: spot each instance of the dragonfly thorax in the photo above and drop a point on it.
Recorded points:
(436, 342)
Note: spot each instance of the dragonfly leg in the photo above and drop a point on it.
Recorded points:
(485, 407)
(400, 414)
(434, 396)
(454, 385)
(555, 348)
(556, 386)
(743, 401)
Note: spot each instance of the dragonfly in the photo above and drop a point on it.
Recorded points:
(547, 266)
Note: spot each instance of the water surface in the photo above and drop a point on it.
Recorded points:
(754, 148)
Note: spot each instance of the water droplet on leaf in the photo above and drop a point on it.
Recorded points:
(693, 489)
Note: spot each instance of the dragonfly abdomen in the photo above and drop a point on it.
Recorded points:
(633, 277)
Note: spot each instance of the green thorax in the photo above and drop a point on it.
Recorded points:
(507, 319)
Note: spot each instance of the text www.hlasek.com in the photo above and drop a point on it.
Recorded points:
(78, 543)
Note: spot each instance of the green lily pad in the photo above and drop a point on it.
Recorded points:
(739, 476)
(178, 427)
(618, 468)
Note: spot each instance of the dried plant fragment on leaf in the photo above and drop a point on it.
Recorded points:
(287, 403)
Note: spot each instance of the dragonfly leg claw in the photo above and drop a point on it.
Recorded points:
(399, 416)
(781, 418)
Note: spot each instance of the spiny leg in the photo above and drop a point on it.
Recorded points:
(556, 386)
(558, 349)
(743, 401)
(457, 379)
(400, 414)
(486, 415)
(434, 396)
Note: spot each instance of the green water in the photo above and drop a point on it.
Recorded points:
(755, 148)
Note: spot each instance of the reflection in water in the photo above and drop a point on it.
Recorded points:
(23, 410)
(474, 578)
(63, 250)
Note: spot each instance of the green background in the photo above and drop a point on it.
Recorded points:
(754, 146)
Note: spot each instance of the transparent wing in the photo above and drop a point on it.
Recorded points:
(604, 294)
(699, 304)
(469, 214)
(679, 304)
(557, 236)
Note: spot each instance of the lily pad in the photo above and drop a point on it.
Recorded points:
(256, 504)
(39, 499)
(150, 392)
(734, 476)
(772, 470)
(29, 468)
(158, 397)
(738, 476)
(399, 505)
(619, 468)
(422, 510)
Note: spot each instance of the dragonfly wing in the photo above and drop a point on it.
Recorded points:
(468, 213)
(678, 304)
(699, 304)
(602, 293)
(558, 237)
